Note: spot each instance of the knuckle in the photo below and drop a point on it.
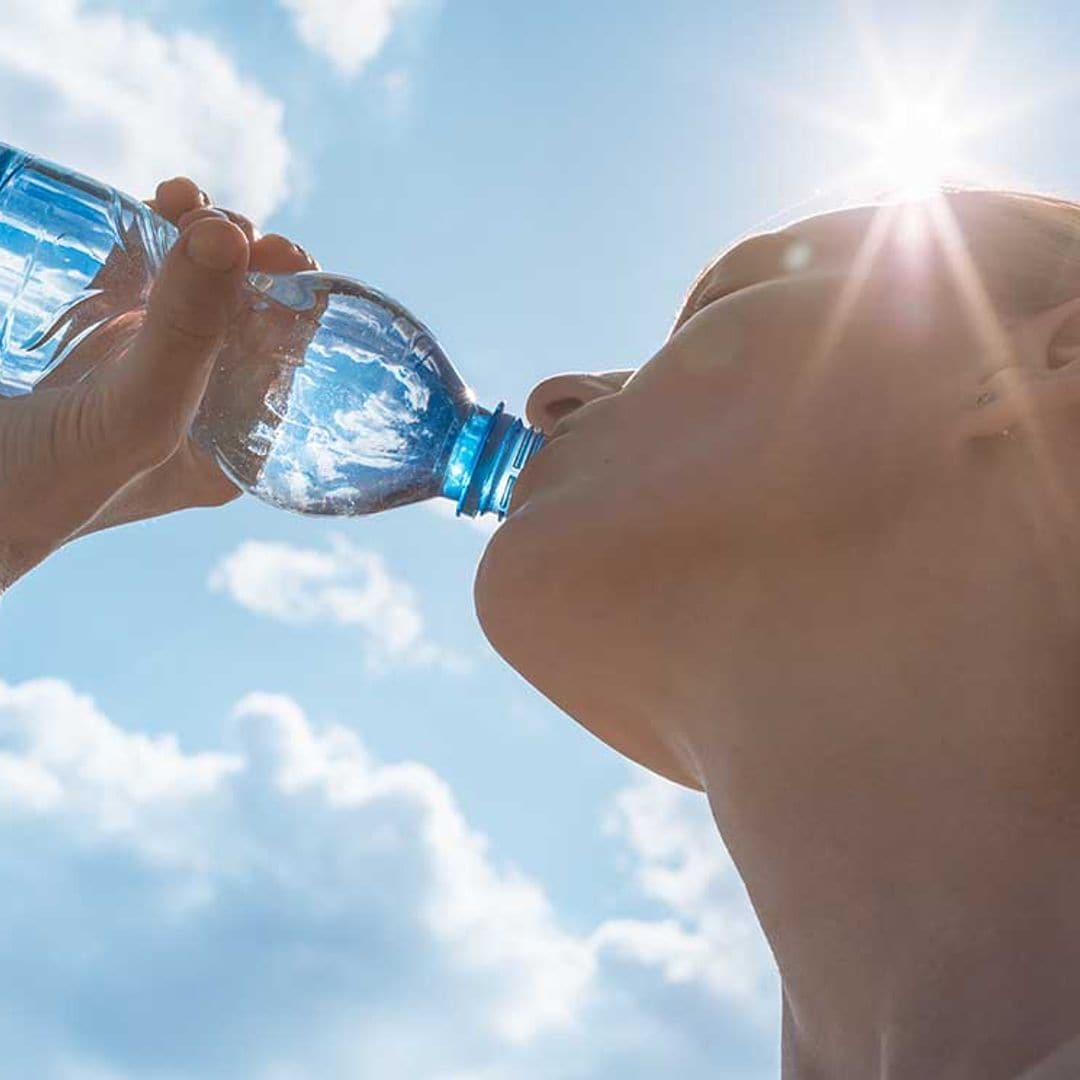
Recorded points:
(151, 439)
(191, 321)
(142, 434)
(82, 427)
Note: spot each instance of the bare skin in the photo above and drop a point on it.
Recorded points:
(76, 457)
(806, 573)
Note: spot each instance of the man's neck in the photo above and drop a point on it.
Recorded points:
(980, 998)
(900, 798)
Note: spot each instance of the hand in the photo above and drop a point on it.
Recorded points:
(114, 446)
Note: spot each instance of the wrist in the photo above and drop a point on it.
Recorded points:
(17, 560)
(22, 547)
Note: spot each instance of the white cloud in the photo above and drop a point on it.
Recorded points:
(346, 585)
(292, 909)
(60, 755)
(27, 785)
(348, 33)
(493, 922)
(714, 938)
(111, 96)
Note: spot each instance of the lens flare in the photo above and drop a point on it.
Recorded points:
(916, 148)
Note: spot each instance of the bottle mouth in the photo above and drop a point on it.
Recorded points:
(520, 445)
(490, 452)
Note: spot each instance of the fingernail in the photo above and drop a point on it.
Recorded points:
(204, 198)
(214, 246)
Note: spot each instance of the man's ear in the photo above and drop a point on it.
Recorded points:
(1043, 380)
(1064, 346)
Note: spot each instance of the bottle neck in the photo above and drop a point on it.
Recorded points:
(491, 449)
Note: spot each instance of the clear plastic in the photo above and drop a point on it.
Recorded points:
(327, 397)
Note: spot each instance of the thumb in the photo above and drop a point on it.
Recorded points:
(157, 386)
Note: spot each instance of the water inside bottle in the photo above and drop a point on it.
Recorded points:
(329, 398)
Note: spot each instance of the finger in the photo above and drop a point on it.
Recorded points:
(310, 258)
(244, 223)
(274, 254)
(157, 386)
(189, 217)
(176, 196)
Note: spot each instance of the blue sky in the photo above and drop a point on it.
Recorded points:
(270, 807)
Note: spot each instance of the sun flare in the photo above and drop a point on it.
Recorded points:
(916, 148)
(920, 139)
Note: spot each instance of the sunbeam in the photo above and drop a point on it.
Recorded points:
(998, 360)
(816, 367)
(996, 347)
(861, 267)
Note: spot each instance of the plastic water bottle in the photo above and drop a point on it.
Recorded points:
(327, 397)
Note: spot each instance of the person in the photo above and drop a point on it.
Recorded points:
(817, 558)
(820, 558)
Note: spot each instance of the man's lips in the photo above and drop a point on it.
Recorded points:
(523, 488)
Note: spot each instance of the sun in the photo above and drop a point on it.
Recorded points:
(916, 147)
(915, 124)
